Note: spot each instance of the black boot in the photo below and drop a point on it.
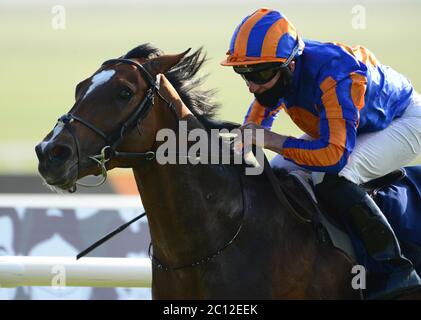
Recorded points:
(389, 273)
(380, 242)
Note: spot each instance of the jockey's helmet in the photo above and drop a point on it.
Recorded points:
(262, 37)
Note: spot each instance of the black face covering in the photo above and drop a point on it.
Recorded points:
(281, 88)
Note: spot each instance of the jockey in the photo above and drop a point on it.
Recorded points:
(361, 120)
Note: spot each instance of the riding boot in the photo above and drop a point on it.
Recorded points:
(381, 245)
(390, 274)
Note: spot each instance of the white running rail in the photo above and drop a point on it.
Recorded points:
(67, 271)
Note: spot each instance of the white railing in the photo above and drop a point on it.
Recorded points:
(70, 201)
(67, 271)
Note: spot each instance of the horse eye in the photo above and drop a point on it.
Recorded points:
(125, 94)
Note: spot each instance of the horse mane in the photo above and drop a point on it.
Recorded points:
(185, 80)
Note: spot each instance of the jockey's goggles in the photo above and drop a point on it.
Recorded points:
(258, 73)
(262, 73)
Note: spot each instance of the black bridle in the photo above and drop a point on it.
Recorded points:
(109, 151)
(114, 138)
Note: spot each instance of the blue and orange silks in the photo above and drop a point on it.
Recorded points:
(338, 91)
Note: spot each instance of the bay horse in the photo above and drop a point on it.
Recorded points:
(216, 232)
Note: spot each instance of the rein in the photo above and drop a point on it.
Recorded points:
(109, 151)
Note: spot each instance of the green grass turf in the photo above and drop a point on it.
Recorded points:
(39, 66)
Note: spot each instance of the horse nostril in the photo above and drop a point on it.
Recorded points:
(58, 153)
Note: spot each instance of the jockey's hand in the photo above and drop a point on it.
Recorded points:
(252, 129)
(242, 144)
(265, 139)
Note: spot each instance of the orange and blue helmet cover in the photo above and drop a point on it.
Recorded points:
(264, 36)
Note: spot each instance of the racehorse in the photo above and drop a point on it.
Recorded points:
(216, 232)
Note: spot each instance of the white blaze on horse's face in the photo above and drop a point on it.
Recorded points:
(57, 129)
(98, 79)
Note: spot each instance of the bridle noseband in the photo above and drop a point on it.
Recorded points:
(109, 151)
(113, 139)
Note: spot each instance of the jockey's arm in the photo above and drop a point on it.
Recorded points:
(260, 115)
(340, 101)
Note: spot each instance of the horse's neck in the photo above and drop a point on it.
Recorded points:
(192, 209)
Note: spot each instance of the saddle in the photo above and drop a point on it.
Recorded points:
(298, 189)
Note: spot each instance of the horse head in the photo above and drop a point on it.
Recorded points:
(112, 114)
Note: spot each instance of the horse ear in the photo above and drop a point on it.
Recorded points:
(164, 63)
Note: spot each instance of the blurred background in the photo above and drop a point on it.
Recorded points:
(40, 65)
(48, 46)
